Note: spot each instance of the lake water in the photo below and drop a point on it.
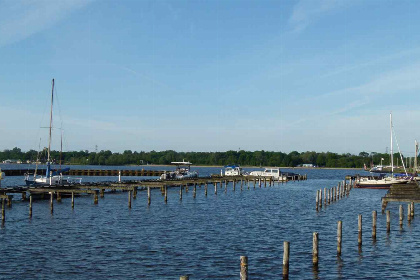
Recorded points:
(204, 237)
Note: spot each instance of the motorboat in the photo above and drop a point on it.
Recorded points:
(233, 170)
(274, 173)
(182, 171)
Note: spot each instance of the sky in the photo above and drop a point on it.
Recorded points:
(304, 75)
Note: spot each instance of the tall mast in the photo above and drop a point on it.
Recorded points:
(416, 147)
(392, 151)
(51, 119)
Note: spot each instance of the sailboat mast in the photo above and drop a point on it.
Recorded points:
(51, 119)
(392, 151)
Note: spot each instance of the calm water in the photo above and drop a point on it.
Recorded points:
(204, 237)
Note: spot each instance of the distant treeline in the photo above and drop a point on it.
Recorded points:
(244, 158)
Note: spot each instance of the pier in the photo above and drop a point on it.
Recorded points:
(88, 172)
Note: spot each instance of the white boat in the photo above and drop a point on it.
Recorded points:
(275, 173)
(182, 171)
(52, 177)
(233, 170)
(386, 182)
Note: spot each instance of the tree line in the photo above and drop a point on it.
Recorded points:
(244, 158)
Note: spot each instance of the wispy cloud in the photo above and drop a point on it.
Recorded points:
(307, 11)
(22, 18)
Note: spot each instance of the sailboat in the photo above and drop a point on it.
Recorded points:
(386, 182)
(52, 177)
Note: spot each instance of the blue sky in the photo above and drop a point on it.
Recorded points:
(211, 75)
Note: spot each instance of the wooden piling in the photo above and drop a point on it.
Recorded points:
(244, 268)
(166, 194)
(215, 188)
(316, 199)
(9, 201)
(401, 216)
(234, 184)
(320, 198)
(72, 200)
(3, 210)
(102, 193)
(185, 277)
(339, 232)
(205, 189)
(58, 197)
(52, 202)
(24, 196)
(388, 221)
(325, 196)
(315, 249)
(95, 197)
(134, 192)
(149, 196)
(359, 230)
(328, 196)
(129, 199)
(409, 212)
(194, 190)
(180, 192)
(412, 209)
(374, 225)
(30, 206)
(286, 248)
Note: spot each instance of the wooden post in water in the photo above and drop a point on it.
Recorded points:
(58, 197)
(339, 232)
(241, 184)
(149, 196)
(215, 188)
(30, 205)
(359, 230)
(328, 196)
(374, 225)
(9, 201)
(129, 199)
(316, 199)
(180, 192)
(23, 195)
(95, 197)
(401, 216)
(102, 193)
(185, 277)
(52, 202)
(3, 211)
(388, 221)
(166, 194)
(409, 212)
(244, 268)
(412, 209)
(134, 192)
(194, 190)
(325, 196)
(315, 249)
(72, 200)
(234, 184)
(320, 198)
(286, 249)
(247, 183)
(205, 189)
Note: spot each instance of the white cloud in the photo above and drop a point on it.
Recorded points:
(307, 11)
(23, 18)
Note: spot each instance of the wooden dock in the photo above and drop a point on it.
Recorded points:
(88, 172)
(402, 193)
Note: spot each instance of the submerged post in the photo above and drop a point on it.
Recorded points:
(30, 206)
(129, 199)
(316, 199)
(244, 268)
(286, 247)
(52, 202)
(401, 216)
(3, 210)
(95, 197)
(194, 190)
(134, 192)
(374, 225)
(315, 249)
(359, 230)
(102, 193)
(166, 194)
(205, 189)
(72, 200)
(180, 192)
(149, 196)
(339, 232)
(215, 187)
(388, 221)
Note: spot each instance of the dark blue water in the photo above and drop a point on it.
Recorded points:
(204, 237)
